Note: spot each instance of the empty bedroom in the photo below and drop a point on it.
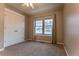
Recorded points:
(39, 29)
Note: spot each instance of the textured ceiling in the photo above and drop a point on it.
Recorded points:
(38, 7)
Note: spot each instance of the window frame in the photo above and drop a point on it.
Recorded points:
(35, 26)
(43, 26)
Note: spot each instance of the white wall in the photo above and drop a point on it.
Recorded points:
(71, 28)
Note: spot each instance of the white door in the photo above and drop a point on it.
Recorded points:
(14, 28)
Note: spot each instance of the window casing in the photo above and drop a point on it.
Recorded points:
(44, 26)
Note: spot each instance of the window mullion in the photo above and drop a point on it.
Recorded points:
(43, 26)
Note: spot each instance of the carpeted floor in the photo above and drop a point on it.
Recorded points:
(34, 49)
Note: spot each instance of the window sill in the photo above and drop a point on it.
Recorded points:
(41, 35)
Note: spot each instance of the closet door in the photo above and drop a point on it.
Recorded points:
(14, 28)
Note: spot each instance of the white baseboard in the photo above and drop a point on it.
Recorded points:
(2, 49)
(64, 48)
(66, 51)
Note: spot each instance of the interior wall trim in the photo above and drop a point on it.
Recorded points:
(65, 50)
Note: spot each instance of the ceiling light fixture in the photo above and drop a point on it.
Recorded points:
(28, 5)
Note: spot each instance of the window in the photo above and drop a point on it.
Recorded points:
(43, 27)
(48, 26)
(38, 26)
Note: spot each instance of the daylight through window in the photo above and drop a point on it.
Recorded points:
(43, 27)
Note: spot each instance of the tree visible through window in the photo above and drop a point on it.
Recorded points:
(43, 26)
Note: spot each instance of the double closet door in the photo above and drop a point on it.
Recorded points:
(14, 25)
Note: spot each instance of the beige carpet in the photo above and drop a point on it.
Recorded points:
(34, 49)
